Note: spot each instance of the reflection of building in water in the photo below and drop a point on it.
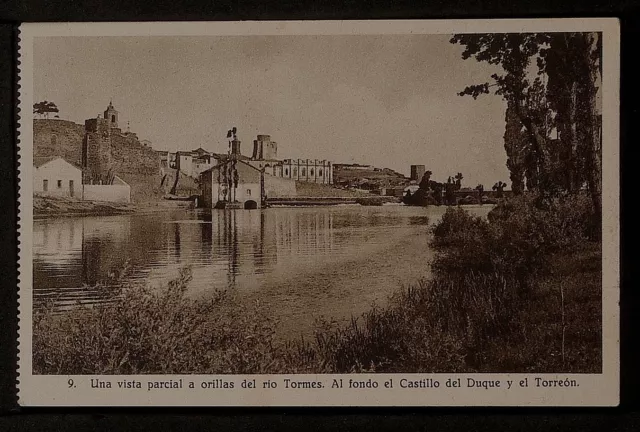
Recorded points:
(253, 243)
(225, 248)
(301, 233)
(234, 237)
(55, 240)
(94, 246)
(105, 249)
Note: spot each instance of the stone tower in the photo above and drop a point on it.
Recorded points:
(96, 152)
(417, 171)
(111, 115)
(264, 148)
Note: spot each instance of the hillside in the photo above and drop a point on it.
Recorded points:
(367, 177)
(314, 190)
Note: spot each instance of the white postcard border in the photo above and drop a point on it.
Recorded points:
(593, 390)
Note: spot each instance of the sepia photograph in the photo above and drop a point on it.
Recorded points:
(242, 204)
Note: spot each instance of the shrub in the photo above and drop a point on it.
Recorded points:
(516, 241)
(474, 314)
(147, 331)
(508, 257)
(432, 326)
(560, 222)
(457, 227)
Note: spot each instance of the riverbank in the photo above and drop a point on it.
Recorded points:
(53, 207)
(476, 314)
(317, 190)
(331, 201)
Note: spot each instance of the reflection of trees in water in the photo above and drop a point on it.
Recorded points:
(206, 234)
(206, 228)
(258, 246)
(231, 231)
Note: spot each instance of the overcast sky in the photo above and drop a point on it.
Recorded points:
(389, 101)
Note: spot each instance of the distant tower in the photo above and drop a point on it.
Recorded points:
(111, 115)
(264, 148)
(417, 171)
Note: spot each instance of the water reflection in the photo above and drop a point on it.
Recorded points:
(73, 254)
(306, 254)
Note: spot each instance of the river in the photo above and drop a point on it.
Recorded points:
(302, 263)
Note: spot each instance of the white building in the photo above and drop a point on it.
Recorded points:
(247, 191)
(54, 176)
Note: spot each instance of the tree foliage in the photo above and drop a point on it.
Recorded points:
(45, 108)
(549, 82)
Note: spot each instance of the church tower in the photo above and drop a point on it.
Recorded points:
(111, 115)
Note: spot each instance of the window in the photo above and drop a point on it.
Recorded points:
(248, 192)
(304, 172)
(59, 184)
(295, 172)
(311, 172)
(320, 172)
(286, 172)
(113, 118)
(45, 185)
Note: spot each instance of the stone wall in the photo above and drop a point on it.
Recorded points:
(121, 152)
(54, 137)
(110, 193)
(130, 156)
(278, 187)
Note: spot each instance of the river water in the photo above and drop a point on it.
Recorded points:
(302, 263)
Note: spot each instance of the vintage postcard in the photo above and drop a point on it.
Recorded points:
(335, 213)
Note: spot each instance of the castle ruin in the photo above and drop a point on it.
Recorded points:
(107, 151)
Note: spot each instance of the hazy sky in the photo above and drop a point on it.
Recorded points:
(389, 101)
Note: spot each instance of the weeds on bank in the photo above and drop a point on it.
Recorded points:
(519, 292)
(154, 331)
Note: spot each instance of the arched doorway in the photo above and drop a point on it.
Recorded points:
(250, 205)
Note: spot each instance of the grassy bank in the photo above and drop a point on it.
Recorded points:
(53, 207)
(58, 206)
(518, 293)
